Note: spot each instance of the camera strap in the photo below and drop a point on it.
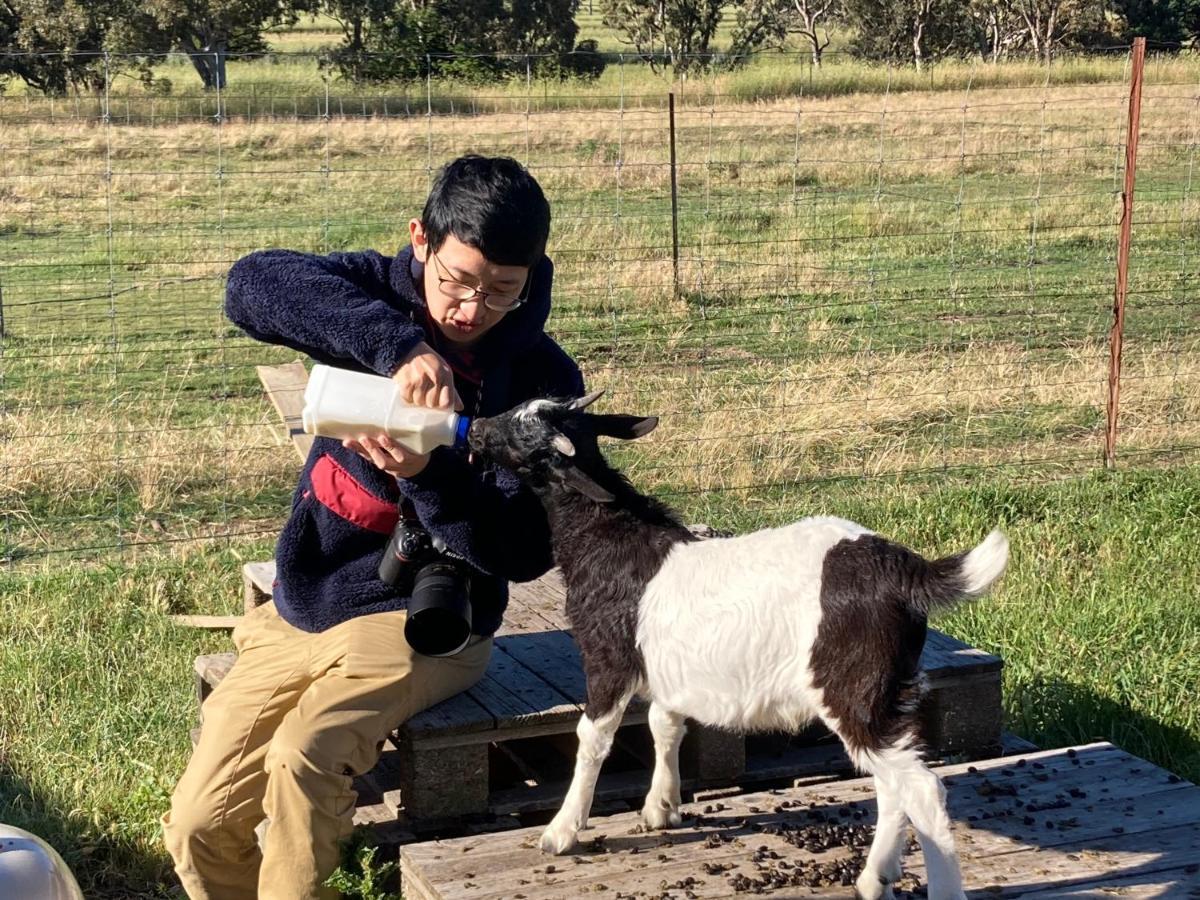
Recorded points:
(408, 512)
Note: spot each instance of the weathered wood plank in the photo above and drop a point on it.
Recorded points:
(460, 715)
(547, 596)
(554, 657)
(945, 655)
(1002, 853)
(529, 612)
(1176, 884)
(1040, 873)
(285, 386)
(1097, 761)
(258, 583)
(515, 696)
(210, 670)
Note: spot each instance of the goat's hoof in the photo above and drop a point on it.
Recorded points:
(659, 817)
(873, 887)
(557, 839)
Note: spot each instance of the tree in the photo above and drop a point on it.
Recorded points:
(539, 26)
(1167, 23)
(915, 31)
(678, 31)
(995, 30)
(771, 21)
(53, 47)
(1049, 25)
(206, 30)
(476, 40)
(355, 18)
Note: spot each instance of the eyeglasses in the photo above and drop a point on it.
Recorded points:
(460, 292)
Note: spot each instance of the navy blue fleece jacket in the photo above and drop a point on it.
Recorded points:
(366, 311)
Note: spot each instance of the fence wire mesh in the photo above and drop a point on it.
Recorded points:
(900, 283)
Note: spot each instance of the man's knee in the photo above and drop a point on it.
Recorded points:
(194, 827)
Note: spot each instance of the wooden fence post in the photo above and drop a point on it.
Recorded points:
(674, 194)
(1117, 334)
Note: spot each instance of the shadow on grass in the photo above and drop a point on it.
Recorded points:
(108, 865)
(1055, 713)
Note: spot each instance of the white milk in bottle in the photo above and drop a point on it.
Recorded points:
(342, 404)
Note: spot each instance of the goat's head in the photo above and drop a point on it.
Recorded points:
(550, 442)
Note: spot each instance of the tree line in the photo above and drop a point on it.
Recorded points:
(917, 32)
(59, 45)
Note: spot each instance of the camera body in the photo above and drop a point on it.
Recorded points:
(438, 584)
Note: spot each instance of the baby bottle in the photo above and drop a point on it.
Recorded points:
(342, 404)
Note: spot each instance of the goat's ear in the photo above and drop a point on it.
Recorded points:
(563, 445)
(586, 400)
(624, 427)
(582, 483)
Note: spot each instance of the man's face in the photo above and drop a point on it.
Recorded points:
(463, 322)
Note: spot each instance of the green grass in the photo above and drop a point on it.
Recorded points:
(891, 307)
(1097, 621)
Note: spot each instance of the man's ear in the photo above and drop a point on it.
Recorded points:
(575, 479)
(624, 427)
(416, 237)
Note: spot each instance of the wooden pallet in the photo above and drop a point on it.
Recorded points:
(506, 745)
(1090, 821)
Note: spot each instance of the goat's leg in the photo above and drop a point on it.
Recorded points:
(922, 797)
(882, 868)
(662, 802)
(595, 742)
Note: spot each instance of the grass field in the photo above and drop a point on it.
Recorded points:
(893, 304)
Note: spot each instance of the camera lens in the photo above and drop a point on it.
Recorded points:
(439, 612)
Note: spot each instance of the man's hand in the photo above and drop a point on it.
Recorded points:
(425, 379)
(396, 460)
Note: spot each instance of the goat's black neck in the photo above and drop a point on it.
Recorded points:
(590, 535)
(608, 552)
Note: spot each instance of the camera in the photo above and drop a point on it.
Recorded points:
(438, 585)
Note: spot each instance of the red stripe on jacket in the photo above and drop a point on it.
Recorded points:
(339, 492)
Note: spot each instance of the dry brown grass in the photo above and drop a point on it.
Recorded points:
(870, 284)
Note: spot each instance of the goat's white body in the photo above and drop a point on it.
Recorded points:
(726, 629)
(734, 653)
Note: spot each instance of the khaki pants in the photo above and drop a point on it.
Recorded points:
(297, 715)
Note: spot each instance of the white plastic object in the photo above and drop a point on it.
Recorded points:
(342, 404)
(30, 869)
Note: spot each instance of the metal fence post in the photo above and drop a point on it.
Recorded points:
(1117, 334)
(674, 194)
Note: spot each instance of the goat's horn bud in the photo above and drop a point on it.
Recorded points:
(587, 400)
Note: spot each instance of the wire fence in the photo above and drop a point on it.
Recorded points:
(911, 282)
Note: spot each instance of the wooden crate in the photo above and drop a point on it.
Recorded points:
(1090, 821)
(506, 745)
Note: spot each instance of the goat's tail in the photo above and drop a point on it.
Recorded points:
(969, 574)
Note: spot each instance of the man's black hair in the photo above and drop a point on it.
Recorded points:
(492, 204)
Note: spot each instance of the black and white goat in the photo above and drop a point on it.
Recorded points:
(821, 619)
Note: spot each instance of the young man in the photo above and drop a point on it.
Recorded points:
(324, 671)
